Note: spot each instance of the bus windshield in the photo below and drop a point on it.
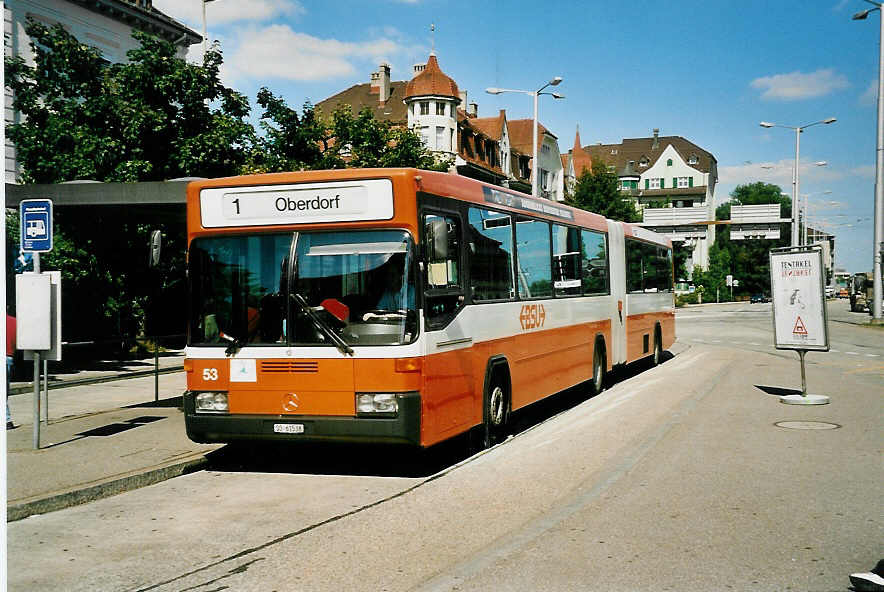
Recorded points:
(343, 288)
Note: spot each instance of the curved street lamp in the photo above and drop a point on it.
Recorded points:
(535, 93)
(798, 130)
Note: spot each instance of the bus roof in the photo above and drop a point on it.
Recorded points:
(432, 182)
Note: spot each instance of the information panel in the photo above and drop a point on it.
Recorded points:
(797, 282)
(307, 203)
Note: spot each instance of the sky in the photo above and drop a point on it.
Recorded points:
(709, 72)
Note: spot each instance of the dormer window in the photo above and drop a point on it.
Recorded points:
(694, 159)
(613, 151)
(644, 162)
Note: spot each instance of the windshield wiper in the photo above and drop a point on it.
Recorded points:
(236, 344)
(321, 325)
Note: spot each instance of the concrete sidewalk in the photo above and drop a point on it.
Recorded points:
(108, 432)
(65, 374)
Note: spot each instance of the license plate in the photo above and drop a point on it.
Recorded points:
(288, 428)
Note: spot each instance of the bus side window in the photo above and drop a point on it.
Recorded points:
(442, 273)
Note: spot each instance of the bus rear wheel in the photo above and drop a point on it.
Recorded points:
(496, 410)
(599, 364)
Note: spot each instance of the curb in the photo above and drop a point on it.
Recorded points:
(29, 386)
(58, 501)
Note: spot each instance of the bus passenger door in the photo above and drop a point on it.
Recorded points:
(617, 251)
(447, 393)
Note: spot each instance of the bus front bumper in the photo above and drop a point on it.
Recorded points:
(218, 427)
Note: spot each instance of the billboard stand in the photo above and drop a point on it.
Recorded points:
(799, 309)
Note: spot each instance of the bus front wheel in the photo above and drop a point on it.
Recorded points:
(658, 347)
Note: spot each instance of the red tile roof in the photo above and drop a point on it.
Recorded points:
(581, 158)
(521, 133)
(490, 126)
(432, 81)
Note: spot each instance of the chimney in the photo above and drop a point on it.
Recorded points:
(418, 68)
(463, 98)
(384, 82)
(656, 143)
(474, 110)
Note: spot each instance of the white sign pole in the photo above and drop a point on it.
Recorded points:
(797, 279)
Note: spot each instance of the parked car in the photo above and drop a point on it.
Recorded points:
(758, 298)
(830, 291)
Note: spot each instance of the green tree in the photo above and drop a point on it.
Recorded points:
(599, 191)
(153, 118)
(149, 119)
(292, 141)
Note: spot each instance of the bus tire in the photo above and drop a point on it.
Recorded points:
(496, 407)
(658, 346)
(599, 367)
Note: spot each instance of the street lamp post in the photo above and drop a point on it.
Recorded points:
(205, 34)
(535, 93)
(878, 244)
(798, 130)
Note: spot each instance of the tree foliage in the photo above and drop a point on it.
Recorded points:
(149, 119)
(599, 191)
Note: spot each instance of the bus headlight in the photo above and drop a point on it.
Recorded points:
(377, 404)
(211, 403)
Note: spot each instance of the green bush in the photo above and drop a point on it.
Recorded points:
(689, 298)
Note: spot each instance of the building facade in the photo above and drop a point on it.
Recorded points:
(106, 25)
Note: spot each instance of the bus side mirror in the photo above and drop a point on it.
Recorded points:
(438, 240)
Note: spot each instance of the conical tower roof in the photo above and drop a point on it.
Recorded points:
(432, 81)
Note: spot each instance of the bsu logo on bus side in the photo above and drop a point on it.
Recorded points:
(532, 316)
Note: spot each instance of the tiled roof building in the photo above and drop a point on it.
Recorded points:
(673, 183)
(481, 147)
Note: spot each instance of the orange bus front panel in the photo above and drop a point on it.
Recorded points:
(450, 400)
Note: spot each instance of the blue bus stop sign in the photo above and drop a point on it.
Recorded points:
(36, 225)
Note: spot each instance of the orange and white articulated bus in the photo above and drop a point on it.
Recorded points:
(404, 306)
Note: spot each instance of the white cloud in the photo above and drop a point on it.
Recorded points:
(798, 85)
(777, 173)
(867, 171)
(278, 52)
(221, 12)
(870, 95)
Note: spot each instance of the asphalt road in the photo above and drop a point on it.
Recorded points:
(675, 478)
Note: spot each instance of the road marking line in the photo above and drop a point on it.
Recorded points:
(851, 353)
(835, 351)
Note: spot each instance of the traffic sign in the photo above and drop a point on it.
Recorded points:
(35, 216)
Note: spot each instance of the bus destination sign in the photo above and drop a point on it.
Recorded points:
(307, 203)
